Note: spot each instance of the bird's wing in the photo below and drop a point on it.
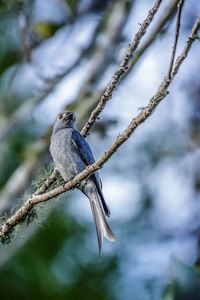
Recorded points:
(85, 152)
(83, 148)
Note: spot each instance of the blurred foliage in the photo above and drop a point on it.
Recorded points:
(14, 151)
(10, 47)
(49, 266)
(185, 285)
(73, 5)
(45, 30)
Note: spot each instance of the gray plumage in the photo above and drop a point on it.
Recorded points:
(72, 154)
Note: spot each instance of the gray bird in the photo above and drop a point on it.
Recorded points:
(72, 154)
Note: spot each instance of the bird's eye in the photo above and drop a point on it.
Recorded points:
(60, 116)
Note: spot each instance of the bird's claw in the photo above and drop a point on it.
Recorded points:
(63, 185)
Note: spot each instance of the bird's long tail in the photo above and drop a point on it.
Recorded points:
(102, 227)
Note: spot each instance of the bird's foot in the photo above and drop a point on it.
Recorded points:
(66, 181)
(63, 185)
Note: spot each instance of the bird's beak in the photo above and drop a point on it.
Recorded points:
(68, 115)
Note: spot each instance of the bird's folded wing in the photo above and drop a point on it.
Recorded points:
(86, 154)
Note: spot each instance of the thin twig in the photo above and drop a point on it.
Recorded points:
(178, 22)
(168, 12)
(21, 213)
(193, 36)
(121, 70)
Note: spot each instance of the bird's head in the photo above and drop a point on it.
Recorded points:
(65, 119)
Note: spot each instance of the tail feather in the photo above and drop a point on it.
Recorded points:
(102, 227)
(98, 226)
(104, 204)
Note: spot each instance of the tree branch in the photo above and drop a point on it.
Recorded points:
(121, 70)
(168, 12)
(179, 6)
(193, 36)
(21, 213)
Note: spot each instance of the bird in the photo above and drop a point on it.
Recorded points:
(71, 155)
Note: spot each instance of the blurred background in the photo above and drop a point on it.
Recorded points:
(61, 54)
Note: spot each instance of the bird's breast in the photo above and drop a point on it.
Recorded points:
(65, 156)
